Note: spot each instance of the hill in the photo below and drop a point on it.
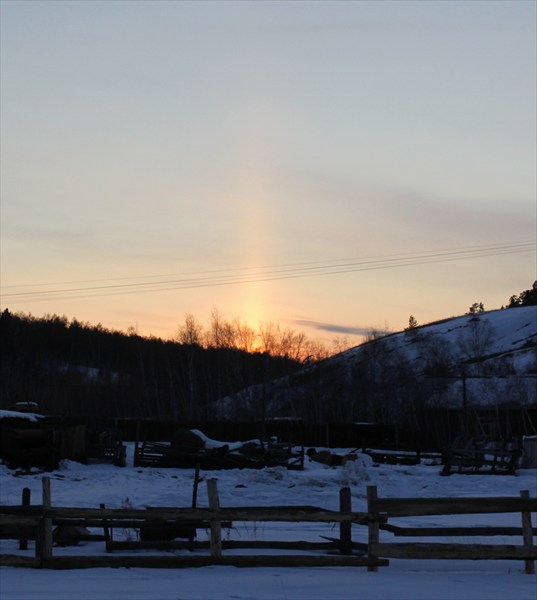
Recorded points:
(486, 359)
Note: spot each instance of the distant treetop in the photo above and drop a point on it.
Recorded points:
(525, 298)
(477, 307)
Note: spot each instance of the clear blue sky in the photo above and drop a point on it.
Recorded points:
(149, 143)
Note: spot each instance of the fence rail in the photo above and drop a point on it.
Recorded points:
(174, 562)
(415, 507)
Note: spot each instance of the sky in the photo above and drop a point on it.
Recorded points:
(332, 167)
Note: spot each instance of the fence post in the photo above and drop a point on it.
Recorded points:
(26, 493)
(195, 487)
(373, 525)
(216, 526)
(46, 536)
(345, 534)
(135, 462)
(106, 531)
(527, 534)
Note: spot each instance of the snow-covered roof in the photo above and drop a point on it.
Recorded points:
(13, 414)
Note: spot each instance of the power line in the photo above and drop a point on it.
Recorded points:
(326, 262)
(244, 275)
(316, 264)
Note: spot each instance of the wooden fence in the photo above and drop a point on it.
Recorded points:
(36, 522)
(381, 509)
(41, 519)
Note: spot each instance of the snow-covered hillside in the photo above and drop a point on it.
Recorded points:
(501, 339)
(488, 358)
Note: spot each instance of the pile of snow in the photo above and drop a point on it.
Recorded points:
(210, 444)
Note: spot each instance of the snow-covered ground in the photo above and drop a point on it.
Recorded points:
(89, 485)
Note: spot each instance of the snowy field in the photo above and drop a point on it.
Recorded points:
(89, 485)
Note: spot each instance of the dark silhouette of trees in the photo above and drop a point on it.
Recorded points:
(476, 308)
(525, 298)
(74, 369)
(412, 322)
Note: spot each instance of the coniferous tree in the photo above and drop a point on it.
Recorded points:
(525, 298)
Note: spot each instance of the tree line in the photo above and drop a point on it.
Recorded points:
(77, 369)
(268, 338)
(525, 298)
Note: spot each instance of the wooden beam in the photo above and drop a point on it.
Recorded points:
(46, 535)
(226, 544)
(345, 532)
(17, 509)
(373, 527)
(411, 507)
(527, 535)
(247, 513)
(15, 560)
(26, 496)
(173, 562)
(10, 520)
(454, 551)
(216, 525)
(452, 531)
(243, 513)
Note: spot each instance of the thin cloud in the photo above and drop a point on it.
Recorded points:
(332, 328)
(57, 237)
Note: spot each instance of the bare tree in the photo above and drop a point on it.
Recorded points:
(313, 351)
(219, 334)
(341, 343)
(190, 332)
(245, 336)
(376, 334)
(292, 345)
(269, 334)
(477, 338)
